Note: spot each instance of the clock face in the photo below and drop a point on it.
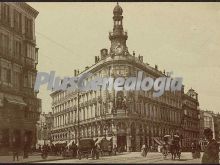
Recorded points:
(119, 49)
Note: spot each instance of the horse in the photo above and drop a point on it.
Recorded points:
(165, 150)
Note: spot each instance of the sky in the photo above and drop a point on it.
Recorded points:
(179, 37)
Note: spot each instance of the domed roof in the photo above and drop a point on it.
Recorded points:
(117, 10)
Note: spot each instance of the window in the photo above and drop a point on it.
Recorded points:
(4, 46)
(5, 17)
(17, 21)
(25, 80)
(17, 80)
(17, 48)
(28, 28)
(6, 74)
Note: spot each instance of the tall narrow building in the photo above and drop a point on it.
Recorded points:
(127, 118)
(19, 105)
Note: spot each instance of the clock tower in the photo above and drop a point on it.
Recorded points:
(118, 37)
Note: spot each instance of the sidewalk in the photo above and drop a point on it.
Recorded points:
(37, 158)
(31, 158)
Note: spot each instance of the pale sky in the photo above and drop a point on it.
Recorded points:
(179, 37)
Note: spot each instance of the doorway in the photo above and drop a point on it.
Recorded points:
(121, 143)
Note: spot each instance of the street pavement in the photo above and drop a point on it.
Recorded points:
(134, 157)
(31, 158)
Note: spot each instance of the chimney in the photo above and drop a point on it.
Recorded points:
(140, 58)
(133, 53)
(96, 59)
(104, 53)
(75, 72)
(156, 67)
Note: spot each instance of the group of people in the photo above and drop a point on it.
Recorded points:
(17, 149)
(211, 152)
(54, 149)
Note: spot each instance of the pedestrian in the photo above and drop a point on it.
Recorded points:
(109, 149)
(193, 149)
(97, 150)
(26, 147)
(211, 152)
(114, 149)
(74, 149)
(15, 150)
(143, 151)
(39, 149)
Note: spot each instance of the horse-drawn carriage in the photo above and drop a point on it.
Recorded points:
(105, 146)
(86, 148)
(171, 145)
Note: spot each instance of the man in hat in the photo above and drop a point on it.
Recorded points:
(211, 152)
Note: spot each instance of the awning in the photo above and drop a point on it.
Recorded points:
(99, 140)
(70, 143)
(42, 142)
(161, 141)
(109, 138)
(15, 100)
(62, 141)
(157, 141)
(95, 138)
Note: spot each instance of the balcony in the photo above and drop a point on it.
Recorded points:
(28, 91)
(29, 62)
(112, 34)
(29, 36)
(6, 55)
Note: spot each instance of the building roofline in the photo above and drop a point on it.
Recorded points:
(26, 7)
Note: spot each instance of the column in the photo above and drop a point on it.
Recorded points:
(138, 147)
(128, 136)
(114, 138)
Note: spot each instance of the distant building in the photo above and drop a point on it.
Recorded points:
(19, 106)
(191, 116)
(217, 126)
(44, 127)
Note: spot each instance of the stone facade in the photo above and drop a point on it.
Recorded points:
(191, 119)
(128, 118)
(19, 105)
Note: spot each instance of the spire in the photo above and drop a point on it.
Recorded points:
(118, 37)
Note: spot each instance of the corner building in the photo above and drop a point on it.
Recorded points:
(19, 105)
(128, 118)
